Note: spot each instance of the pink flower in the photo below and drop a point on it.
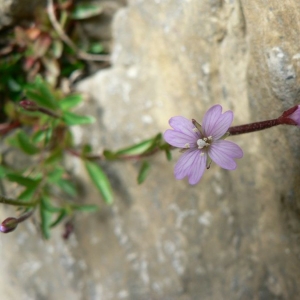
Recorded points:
(201, 144)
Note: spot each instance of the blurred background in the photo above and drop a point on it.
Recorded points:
(235, 235)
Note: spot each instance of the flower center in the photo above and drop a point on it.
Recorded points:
(205, 142)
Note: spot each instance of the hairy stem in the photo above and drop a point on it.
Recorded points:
(14, 202)
(257, 126)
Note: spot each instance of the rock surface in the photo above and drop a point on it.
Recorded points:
(234, 235)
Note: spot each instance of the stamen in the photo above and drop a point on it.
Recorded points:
(198, 126)
(202, 154)
(187, 146)
(201, 144)
(195, 129)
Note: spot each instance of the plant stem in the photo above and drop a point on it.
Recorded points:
(257, 126)
(9, 201)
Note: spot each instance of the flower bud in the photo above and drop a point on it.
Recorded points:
(295, 116)
(29, 105)
(8, 225)
(291, 116)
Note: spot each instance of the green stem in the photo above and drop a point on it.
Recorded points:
(9, 201)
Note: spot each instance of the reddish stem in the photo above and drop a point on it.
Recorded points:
(235, 130)
(7, 127)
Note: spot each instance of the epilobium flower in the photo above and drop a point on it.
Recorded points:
(201, 144)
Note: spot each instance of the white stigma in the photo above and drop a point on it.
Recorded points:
(202, 143)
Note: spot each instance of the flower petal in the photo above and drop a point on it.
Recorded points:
(215, 123)
(222, 125)
(210, 118)
(190, 164)
(179, 139)
(183, 125)
(223, 153)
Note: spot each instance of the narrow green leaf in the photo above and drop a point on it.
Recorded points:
(168, 154)
(87, 149)
(38, 136)
(3, 172)
(25, 144)
(141, 148)
(55, 175)
(86, 207)
(70, 101)
(100, 180)
(109, 155)
(45, 218)
(74, 119)
(67, 186)
(96, 48)
(49, 207)
(143, 173)
(40, 92)
(25, 181)
(137, 149)
(13, 85)
(59, 218)
(27, 194)
(85, 10)
(48, 135)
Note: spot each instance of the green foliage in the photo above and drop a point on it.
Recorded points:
(100, 180)
(144, 171)
(74, 119)
(85, 10)
(41, 93)
(35, 63)
(46, 217)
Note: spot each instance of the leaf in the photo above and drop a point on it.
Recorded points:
(27, 194)
(141, 148)
(86, 207)
(39, 136)
(55, 175)
(25, 181)
(49, 207)
(86, 149)
(100, 180)
(73, 119)
(110, 155)
(60, 217)
(54, 157)
(40, 92)
(143, 173)
(3, 172)
(25, 144)
(70, 101)
(45, 218)
(137, 149)
(85, 10)
(96, 48)
(168, 154)
(13, 85)
(67, 186)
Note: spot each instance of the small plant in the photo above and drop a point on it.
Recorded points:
(37, 117)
